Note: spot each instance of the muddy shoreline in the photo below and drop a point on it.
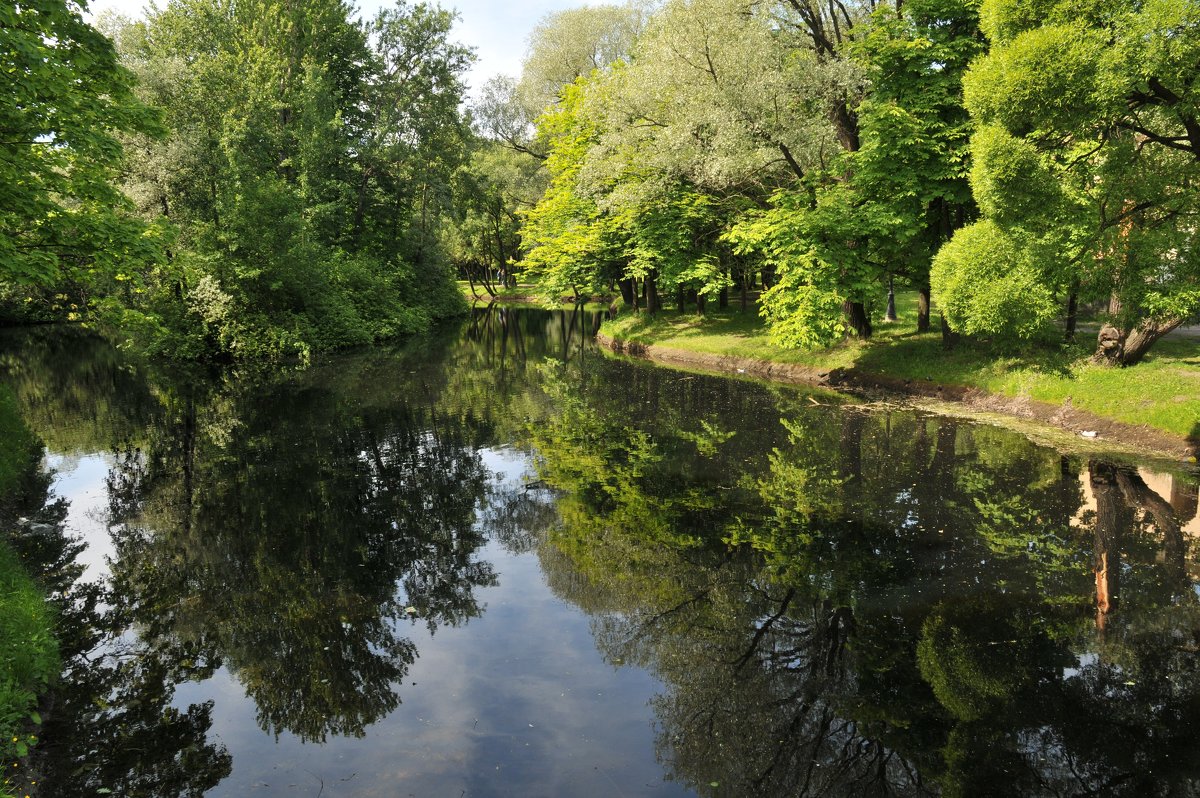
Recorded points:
(1063, 417)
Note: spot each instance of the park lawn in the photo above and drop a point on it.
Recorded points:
(1163, 391)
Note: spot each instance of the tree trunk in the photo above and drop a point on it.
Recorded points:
(923, 309)
(652, 301)
(1185, 499)
(723, 299)
(857, 318)
(1112, 519)
(680, 298)
(1118, 347)
(949, 336)
(1072, 315)
(891, 303)
(1138, 494)
(627, 291)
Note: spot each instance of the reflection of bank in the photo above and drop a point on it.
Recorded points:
(1119, 500)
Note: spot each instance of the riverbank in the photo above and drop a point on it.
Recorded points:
(28, 648)
(1154, 406)
(523, 294)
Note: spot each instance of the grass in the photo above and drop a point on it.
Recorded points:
(28, 657)
(28, 650)
(1163, 391)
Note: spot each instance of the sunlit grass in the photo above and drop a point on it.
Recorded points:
(1162, 392)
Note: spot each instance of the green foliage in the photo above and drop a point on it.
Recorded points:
(16, 443)
(28, 649)
(28, 654)
(1086, 157)
(816, 251)
(975, 669)
(489, 190)
(307, 169)
(572, 43)
(989, 284)
(568, 245)
(65, 103)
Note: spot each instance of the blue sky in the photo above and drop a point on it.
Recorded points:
(498, 31)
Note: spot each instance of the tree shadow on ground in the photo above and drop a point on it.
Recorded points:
(923, 356)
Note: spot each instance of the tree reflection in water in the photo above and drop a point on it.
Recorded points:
(111, 724)
(288, 528)
(838, 600)
(292, 535)
(890, 604)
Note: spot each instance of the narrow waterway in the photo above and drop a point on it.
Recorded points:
(496, 562)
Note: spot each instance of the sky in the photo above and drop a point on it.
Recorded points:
(498, 30)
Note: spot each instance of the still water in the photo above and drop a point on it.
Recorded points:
(496, 562)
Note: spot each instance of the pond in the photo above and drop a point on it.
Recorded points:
(495, 561)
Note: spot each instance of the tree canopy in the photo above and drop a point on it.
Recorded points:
(1006, 163)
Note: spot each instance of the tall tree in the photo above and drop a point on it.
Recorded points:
(344, 135)
(64, 103)
(1086, 164)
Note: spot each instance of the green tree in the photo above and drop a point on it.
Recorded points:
(1085, 170)
(570, 247)
(66, 101)
(344, 134)
(572, 43)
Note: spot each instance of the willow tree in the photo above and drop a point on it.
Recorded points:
(1086, 161)
(714, 112)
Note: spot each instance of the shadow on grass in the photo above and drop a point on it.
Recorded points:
(922, 356)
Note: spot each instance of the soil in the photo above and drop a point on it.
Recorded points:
(1064, 416)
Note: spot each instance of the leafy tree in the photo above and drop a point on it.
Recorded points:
(570, 44)
(1085, 169)
(64, 224)
(483, 237)
(345, 135)
(570, 247)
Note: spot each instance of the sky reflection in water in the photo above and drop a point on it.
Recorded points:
(495, 562)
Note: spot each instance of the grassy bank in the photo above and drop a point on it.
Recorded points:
(28, 653)
(28, 649)
(1162, 392)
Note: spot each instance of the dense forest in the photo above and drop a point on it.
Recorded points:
(261, 179)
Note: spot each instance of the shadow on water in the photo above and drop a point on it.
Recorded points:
(834, 601)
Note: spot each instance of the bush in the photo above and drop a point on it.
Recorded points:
(990, 283)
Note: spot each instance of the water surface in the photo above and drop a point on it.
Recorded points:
(493, 561)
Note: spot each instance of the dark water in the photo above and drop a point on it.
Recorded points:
(496, 562)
